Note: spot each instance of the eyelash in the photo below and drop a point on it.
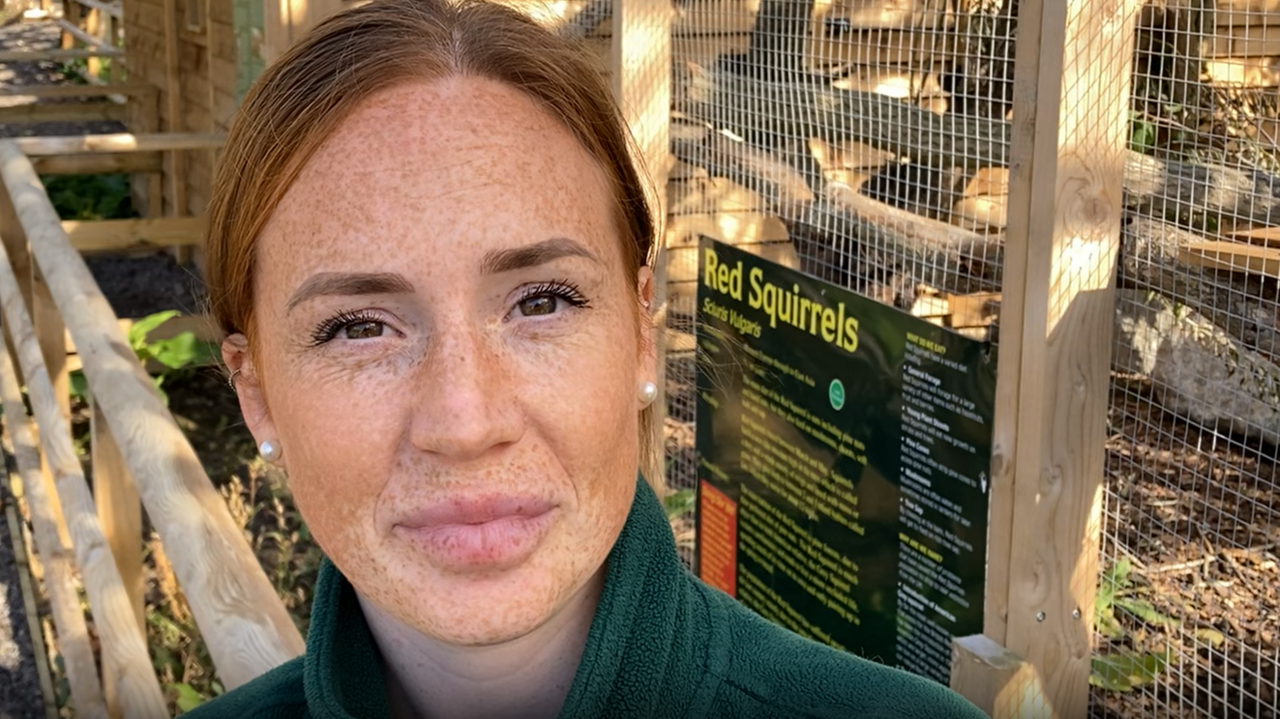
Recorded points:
(327, 330)
(562, 289)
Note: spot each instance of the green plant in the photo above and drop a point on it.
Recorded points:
(1122, 669)
(679, 503)
(90, 197)
(174, 354)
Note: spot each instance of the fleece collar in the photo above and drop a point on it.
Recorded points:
(629, 650)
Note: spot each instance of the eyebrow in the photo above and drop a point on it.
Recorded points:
(349, 283)
(539, 253)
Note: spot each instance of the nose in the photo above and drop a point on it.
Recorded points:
(464, 406)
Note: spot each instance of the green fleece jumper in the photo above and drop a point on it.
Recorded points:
(663, 645)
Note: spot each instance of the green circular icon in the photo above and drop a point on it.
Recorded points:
(836, 394)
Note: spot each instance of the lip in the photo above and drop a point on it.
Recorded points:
(482, 534)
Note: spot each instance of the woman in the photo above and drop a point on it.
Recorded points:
(428, 248)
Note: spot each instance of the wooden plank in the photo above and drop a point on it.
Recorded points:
(1265, 236)
(119, 510)
(879, 48)
(106, 8)
(134, 234)
(94, 43)
(1070, 133)
(61, 91)
(844, 15)
(116, 142)
(89, 164)
(1233, 257)
(1244, 71)
(1002, 685)
(220, 577)
(58, 55)
(123, 647)
(62, 112)
(59, 573)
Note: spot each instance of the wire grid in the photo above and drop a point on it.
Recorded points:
(797, 131)
(1192, 504)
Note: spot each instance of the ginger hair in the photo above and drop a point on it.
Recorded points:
(302, 97)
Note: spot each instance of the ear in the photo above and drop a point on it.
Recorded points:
(646, 290)
(248, 386)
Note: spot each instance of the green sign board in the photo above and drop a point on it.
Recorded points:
(843, 457)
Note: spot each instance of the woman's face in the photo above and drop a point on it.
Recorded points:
(448, 353)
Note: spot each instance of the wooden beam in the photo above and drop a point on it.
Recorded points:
(116, 142)
(94, 43)
(124, 649)
(642, 45)
(119, 510)
(98, 164)
(62, 112)
(112, 9)
(135, 234)
(999, 683)
(1057, 314)
(58, 55)
(61, 91)
(59, 572)
(1233, 257)
(247, 629)
(173, 98)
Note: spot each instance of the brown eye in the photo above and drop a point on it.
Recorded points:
(540, 305)
(363, 330)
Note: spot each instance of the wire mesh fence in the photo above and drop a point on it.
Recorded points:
(1192, 505)
(868, 142)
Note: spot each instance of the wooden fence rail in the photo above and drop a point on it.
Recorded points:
(44, 287)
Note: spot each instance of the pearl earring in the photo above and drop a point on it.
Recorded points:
(648, 392)
(269, 450)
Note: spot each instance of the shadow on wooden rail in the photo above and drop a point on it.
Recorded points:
(47, 294)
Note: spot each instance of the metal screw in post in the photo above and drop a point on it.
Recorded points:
(1075, 613)
(1039, 616)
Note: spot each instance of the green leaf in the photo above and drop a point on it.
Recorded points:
(1143, 610)
(79, 385)
(188, 698)
(679, 502)
(1122, 671)
(1213, 637)
(139, 330)
(181, 351)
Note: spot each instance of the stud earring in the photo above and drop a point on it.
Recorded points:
(648, 392)
(269, 450)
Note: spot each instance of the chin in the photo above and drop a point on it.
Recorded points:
(484, 608)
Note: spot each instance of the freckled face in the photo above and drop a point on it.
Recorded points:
(446, 350)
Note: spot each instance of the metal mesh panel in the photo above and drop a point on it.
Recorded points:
(1192, 506)
(867, 142)
(864, 143)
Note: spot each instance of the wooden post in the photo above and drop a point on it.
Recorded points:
(641, 77)
(124, 648)
(242, 620)
(173, 91)
(1070, 135)
(46, 518)
(276, 30)
(71, 12)
(93, 26)
(120, 512)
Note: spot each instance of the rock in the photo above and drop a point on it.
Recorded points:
(1197, 369)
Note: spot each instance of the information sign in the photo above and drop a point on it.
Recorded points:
(843, 459)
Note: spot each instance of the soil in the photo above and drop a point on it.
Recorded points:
(1198, 514)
